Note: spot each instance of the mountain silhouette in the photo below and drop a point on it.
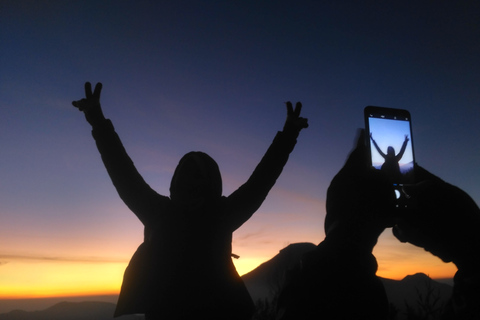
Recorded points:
(413, 289)
(266, 280)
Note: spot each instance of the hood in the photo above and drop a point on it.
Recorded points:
(197, 176)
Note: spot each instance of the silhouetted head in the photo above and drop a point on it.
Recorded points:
(196, 177)
(390, 152)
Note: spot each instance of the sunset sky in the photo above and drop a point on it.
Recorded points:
(214, 76)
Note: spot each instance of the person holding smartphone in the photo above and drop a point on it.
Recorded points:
(184, 268)
(337, 280)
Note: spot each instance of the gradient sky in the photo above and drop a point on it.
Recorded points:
(214, 76)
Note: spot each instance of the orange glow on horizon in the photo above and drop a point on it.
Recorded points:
(434, 272)
(23, 280)
(397, 260)
(20, 279)
(245, 265)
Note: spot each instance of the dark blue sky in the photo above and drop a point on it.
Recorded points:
(214, 76)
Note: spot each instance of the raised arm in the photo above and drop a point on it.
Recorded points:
(130, 185)
(243, 203)
(402, 150)
(376, 147)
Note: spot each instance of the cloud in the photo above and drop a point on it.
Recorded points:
(251, 235)
(4, 259)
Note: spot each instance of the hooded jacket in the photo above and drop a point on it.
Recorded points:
(184, 265)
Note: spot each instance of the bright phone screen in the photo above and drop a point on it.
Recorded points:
(390, 142)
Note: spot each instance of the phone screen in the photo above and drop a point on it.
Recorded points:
(389, 132)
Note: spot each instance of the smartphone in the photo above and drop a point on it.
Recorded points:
(390, 144)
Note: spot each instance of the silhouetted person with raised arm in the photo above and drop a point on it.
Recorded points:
(183, 269)
(391, 166)
(338, 279)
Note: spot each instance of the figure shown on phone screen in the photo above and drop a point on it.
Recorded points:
(391, 166)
